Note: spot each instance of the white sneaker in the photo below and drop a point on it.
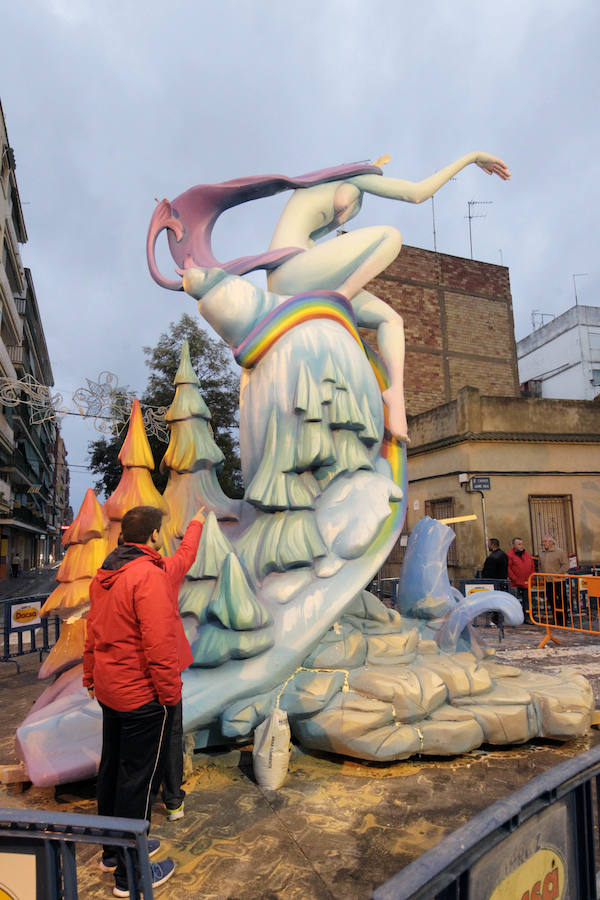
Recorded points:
(174, 814)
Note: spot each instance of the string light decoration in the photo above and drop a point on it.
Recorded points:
(104, 401)
(42, 404)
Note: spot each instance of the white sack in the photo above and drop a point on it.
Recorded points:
(271, 753)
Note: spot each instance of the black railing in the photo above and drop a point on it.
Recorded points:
(46, 841)
(23, 630)
(538, 843)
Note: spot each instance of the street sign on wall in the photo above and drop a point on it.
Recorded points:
(480, 483)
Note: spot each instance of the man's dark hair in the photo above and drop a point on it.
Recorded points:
(138, 523)
(495, 542)
(517, 539)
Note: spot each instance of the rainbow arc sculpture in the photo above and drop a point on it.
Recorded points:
(275, 606)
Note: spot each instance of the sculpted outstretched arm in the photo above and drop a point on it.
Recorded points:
(418, 191)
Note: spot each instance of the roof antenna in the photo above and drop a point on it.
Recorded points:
(470, 216)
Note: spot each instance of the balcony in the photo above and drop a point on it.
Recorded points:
(16, 355)
(9, 305)
(28, 517)
(17, 462)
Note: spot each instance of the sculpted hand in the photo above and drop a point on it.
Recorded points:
(492, 165)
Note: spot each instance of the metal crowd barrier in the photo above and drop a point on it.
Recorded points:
(564, 602)
(37, 852)
(538, 844)
(20, 620)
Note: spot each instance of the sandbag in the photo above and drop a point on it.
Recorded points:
(271, 752)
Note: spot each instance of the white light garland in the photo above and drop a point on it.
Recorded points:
(103, 400)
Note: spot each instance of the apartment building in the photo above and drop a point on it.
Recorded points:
(29, 442)
(561, 359)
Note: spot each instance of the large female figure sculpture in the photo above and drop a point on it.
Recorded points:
(322, 202)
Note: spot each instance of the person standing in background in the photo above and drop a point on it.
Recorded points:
(496, 564)
(520, 567)
(554, 561)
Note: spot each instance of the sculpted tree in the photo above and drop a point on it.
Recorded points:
(222, 616)
(86, 543)
(135, 487)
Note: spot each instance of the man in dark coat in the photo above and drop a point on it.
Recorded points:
(496, 564)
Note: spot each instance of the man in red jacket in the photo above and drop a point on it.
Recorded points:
(520, 567)
(134, 653)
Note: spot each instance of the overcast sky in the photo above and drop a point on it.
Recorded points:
(110, 104)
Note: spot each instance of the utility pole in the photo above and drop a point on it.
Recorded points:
(433, 218)
(470, 204)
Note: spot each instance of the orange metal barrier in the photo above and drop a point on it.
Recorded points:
(565, 602)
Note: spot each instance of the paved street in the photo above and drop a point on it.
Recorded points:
(337, 828)
(39, 582)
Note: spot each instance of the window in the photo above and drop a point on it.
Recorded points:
(594, 337)
(596, 377)
(444, 509)
(11, 269)
(552, 514)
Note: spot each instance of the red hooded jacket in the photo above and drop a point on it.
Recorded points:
(520, 567)
(136, 647)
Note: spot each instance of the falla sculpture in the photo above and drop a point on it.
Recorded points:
(275, 606)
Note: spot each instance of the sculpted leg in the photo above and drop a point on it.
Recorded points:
(371, 312)
(343, 264)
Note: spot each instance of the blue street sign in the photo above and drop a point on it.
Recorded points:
(480, 483)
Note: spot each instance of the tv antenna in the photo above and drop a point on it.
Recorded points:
(577, 275)
(470, 205)
(537, 318)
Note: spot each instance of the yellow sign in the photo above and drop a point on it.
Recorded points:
(25, 614)
(541, 877)
(591, 583)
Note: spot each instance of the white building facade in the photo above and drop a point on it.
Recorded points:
(561, 360)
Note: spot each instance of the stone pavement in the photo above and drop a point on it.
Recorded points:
(38, 581)
(336, 829)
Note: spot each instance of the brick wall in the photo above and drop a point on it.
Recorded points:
(458, 324)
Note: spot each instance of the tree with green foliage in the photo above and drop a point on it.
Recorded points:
(210, 359)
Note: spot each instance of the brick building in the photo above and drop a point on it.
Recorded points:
(466, 417)
(458, 324)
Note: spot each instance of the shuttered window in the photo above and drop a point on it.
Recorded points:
(552, 514)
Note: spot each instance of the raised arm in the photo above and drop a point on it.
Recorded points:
(418, 191)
